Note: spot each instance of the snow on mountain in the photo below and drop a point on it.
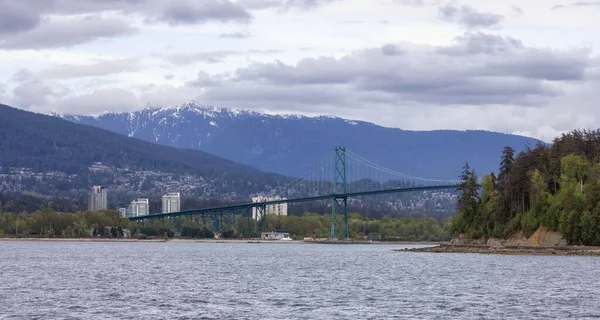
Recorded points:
(290, 144)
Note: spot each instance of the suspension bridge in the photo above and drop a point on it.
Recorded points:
(346, 176)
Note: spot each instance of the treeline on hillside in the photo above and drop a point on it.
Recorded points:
(556, 187)
(22, 202)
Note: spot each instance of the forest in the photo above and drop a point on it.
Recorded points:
(553, 186)
(47, 223)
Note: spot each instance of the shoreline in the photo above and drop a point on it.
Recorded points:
(509, 250)
(248, 241)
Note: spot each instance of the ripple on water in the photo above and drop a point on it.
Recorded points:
(169, 280)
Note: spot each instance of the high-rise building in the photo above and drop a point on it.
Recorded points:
(139, 207)
(97, 199)
(123, 212)
(171, 202)
(280, 209)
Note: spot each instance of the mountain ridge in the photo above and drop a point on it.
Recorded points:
(289, 144)
(48, 145)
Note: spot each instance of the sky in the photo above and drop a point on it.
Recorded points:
(528, 67)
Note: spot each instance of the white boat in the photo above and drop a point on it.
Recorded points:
(286, 239)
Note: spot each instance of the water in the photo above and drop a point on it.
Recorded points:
(143, 280)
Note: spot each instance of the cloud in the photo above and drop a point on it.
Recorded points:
(284, 5)
(3, 93)
(204, 80)
(307, 4)
(235, 35)
(102, 100)
(480, 81)
(478, 69)
(586, 4)
(68, 32)
(15, 17)
(28, 18)
(411, 3)
(32, 93)
(97, 69)
(192, 12)
(517, 10)
(181, 59)
(468, 17)
(577, 4)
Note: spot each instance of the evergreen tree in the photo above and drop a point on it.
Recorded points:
(468, 201)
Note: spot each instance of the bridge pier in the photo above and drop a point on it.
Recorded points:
(261, 214)
(339, 203)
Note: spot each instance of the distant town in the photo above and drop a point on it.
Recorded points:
(171, 202)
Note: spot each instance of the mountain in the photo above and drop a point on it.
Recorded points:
(49, 155)
(289, 144)
(47, 161)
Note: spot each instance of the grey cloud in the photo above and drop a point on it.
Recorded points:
(235, 35)
(191, 12)
(100, 68)
(169, 76)
(30, 92)
(284, 4)
(68, 32)
(482, 43)
(260, 4)
(390, 50)
(307, 4)
(577, 4)
(468, 17)
(586, 4)
(210, 56)
(479, 70)
(411, 3)
(517, 10)
(23, 75)
(102, 100)
(15, 16)
(3, 96)
(516, 59)
(204, 80)
(27, 18)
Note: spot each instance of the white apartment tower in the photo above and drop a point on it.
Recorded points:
(171, 202)
(139, 207)
(97, 199)
(280, 209)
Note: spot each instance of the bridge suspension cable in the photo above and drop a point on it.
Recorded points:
(394, 172)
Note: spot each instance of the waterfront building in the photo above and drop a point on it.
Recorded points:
(98, 198)
(171, 202)
(139, 207)
(280, 209)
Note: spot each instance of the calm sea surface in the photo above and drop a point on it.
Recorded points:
(99, 280)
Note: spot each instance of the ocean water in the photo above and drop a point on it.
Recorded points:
(176, 280)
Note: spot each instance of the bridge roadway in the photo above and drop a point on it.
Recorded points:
(296, 200)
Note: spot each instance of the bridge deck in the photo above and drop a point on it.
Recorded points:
(296, 200)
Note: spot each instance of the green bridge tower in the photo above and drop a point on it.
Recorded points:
(339, 203)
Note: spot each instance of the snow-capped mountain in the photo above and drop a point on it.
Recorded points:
(290, 144)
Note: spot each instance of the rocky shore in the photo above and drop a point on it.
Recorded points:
(509, 250)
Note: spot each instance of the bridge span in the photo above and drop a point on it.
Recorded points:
(224, 217)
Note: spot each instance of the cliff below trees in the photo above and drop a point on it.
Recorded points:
(541, 238)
